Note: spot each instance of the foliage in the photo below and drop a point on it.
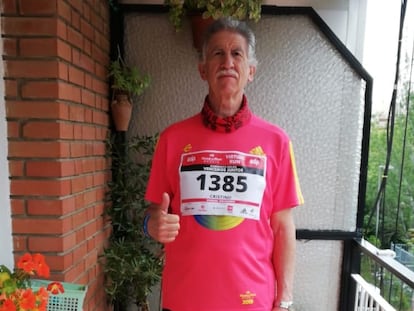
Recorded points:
(15, 287)
(113, 4)
(126, 79)
(133, 262)
(238, 9)
(398, 293)
(397, 200)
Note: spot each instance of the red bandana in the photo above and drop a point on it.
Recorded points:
(227, 124)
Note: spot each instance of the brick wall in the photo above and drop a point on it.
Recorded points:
(55, 58)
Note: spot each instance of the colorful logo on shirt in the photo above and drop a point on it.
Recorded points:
(218, 223)
(247, 298)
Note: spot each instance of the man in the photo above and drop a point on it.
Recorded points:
(222, 187)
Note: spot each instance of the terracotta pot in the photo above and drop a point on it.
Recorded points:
(199, 26)
(121, 112)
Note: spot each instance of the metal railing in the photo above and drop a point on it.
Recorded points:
(368, 297)
(384, 284)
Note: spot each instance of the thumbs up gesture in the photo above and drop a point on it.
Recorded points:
(163, 227)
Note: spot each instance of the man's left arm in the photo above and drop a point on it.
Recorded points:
(284, 254)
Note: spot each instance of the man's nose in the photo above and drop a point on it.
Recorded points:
(228, 60)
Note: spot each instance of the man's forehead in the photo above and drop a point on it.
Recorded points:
(227, 39)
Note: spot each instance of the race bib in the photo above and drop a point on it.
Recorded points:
(226, 183)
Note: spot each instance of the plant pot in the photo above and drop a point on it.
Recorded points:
(198, 26)
(121, 112)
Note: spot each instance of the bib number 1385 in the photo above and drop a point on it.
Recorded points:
(226, 183)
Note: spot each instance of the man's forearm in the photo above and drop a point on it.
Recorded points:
(284, 255)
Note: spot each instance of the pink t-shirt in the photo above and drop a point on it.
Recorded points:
(231, 184)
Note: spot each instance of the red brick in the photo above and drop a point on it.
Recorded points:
(86, 29)
(87, 47)
(27, 26)
(40, 187)
(73, 273)
(88, 117)
(19, 243)
(59, 263)
(38, 7)
(16, 167)
(80, 235)
(13, 129)
(37, 109)
(88, 81)
(88, 132)
(78, 184)
(38, 47)
(40, 226)
(40, 89)
(64, 50)
(36, 149)
(84, 61)
(45, 130)
(48, 130)
(51, 207)
(17, 207)
(101, 118)
(50, 168)
(11, 88)
(10, 47)
(62, 29)
(100, 87)
(9, 6)
(63, 71)
(80, 252)
(76, 76)
(31, 69)
(69, 92)
(74, 37)
(51, 243)
(75, 19)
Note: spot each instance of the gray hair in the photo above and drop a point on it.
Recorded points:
(229, 24)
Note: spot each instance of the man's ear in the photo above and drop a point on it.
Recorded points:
(202, 71)
(252, 72)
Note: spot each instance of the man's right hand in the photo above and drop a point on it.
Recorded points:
(163, 227)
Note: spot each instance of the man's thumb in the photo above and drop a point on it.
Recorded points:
(165, 203)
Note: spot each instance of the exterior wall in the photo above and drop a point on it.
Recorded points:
(5, 227)
(345, 17)
(55, 58)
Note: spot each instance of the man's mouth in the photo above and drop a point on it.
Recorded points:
(227, 73)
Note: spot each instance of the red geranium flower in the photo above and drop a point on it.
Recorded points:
(41, 267)
(26, 264)
(55, 288)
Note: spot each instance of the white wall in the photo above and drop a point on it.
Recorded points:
(6, 256)
(346, 18)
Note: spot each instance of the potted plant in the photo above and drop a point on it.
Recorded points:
(18, 291)
(126, 82)
(132, 262)
(208, 10)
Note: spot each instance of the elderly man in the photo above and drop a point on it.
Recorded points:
(222, 188)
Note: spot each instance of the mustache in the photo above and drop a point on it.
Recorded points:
(227, 72)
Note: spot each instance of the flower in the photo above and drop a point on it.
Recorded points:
(16, 293)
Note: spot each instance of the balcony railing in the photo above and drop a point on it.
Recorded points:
(385, 284)
(368, 297)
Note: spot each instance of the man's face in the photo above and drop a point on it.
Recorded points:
(226, 67)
